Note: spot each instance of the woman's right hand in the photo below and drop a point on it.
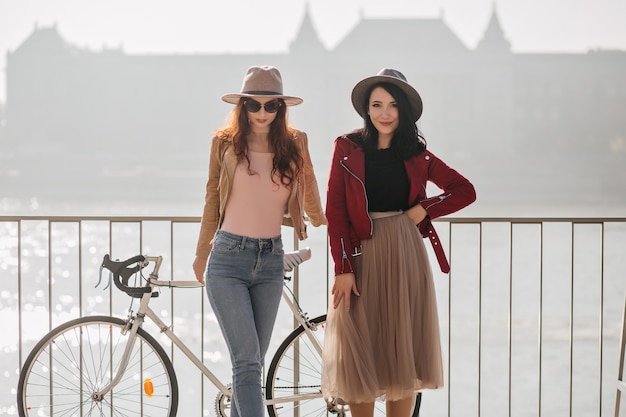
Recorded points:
(344, 285)
(199, 266)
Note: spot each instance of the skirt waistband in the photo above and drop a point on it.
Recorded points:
(381, 214)
(427, 230)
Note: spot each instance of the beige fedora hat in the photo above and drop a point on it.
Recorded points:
(391, 76)
(262, 81)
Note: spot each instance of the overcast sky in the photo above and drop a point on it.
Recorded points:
(188, 26)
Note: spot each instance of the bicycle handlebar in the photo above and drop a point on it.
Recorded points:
(122, 271)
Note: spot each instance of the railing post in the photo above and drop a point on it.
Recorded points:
(621, 385)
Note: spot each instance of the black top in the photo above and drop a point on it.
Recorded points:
(386, 181)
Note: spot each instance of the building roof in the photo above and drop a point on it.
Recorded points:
(307, 40)
(493, 40)
(401, 36)
(44, 39)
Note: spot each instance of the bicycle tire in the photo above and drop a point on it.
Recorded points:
(286, 397)
(80, 357)
(297, 350)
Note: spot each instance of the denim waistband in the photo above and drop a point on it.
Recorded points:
(245, 241)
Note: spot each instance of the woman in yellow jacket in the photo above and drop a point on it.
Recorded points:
(260, 177)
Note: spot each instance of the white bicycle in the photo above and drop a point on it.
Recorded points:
(106, 366)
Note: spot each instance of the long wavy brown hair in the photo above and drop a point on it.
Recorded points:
(287, 160)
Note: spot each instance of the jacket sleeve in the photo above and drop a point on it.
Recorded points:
(457, 193)
(337, 215)
(312, 203)
(210, 214)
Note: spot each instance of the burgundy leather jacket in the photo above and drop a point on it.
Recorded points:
(347, 211)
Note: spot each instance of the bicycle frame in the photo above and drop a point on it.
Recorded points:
(144, 310)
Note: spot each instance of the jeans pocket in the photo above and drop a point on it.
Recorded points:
(225, 245)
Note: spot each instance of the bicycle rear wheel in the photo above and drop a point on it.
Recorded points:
(79, 357)
(292, 387)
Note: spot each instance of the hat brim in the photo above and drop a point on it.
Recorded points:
(363, 87)
(235, 97)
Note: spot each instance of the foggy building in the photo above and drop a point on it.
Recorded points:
(102, 110)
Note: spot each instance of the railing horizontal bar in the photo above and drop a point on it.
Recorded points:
(182, 219)
(191, 219)
(532, 220)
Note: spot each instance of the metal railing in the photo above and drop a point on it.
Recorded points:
(530, 314)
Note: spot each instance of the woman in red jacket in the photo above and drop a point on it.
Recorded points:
(382, 334)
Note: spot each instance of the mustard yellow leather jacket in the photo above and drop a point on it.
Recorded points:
(304, 196)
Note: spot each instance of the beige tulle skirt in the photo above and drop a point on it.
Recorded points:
(387, 345)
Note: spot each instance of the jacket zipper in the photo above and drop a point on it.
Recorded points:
(440, 199)
(344, 257)
(367, 204)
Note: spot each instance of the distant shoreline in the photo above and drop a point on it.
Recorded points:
(538, 186)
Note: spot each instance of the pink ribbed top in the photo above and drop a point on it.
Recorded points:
(255, 205)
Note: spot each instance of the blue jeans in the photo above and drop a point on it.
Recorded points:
(244, 281)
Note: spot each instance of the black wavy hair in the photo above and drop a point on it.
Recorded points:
(407, 140)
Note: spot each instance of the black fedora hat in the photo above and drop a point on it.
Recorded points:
(391, 76)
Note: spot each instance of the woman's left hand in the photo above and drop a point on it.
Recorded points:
(417, 213)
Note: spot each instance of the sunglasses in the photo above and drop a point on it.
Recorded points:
(254, 106)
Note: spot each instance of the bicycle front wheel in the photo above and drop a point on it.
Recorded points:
(80, 357)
